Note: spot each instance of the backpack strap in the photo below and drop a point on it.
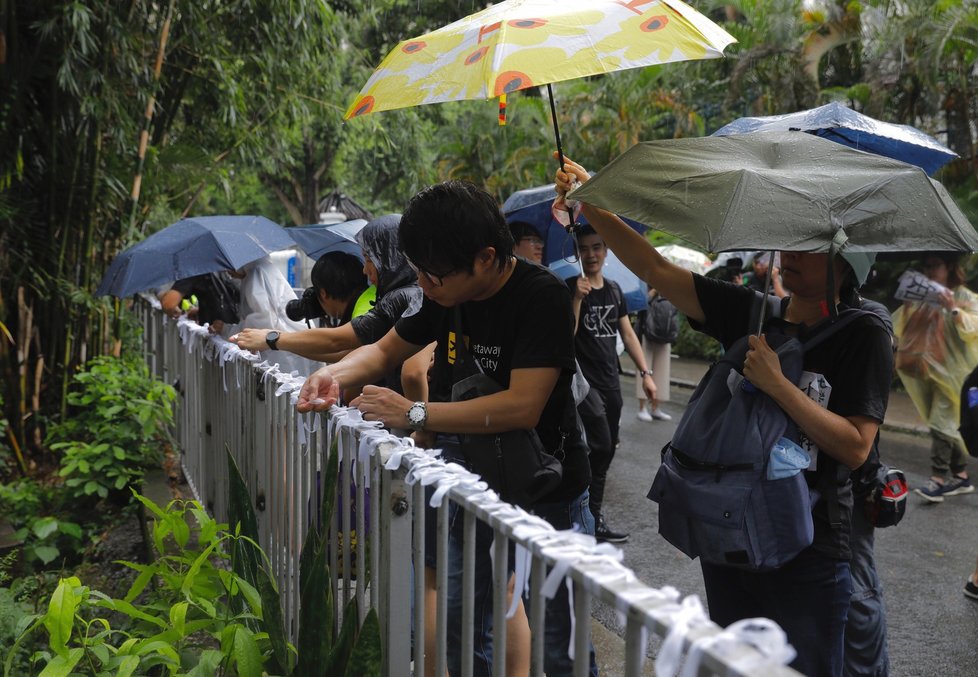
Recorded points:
(845, 318)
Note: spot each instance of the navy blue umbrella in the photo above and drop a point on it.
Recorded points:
(189, 247)
(336, 237)
(533, 206)
(843, 125)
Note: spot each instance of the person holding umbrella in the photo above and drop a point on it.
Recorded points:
(809, 596)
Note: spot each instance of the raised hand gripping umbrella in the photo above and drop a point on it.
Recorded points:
(534, 206)
(189, 247)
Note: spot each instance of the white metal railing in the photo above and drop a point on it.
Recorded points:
(231, 399)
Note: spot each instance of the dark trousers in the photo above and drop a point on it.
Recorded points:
(808, 597)
(866, 652)
(601, 415)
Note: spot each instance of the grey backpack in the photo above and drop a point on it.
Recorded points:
(715, 500)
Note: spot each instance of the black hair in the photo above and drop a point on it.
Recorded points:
(446, 225)
(340, 274)
(586, 229)
(521, 229)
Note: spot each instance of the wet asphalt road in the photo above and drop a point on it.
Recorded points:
(923, 562)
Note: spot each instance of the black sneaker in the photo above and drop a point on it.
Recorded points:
(970, 589)
(605, 534)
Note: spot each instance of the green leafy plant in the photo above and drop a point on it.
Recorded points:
(120, 415)
(356, 650)
(95, 469)
(181, 614)
(207, 605)
(47, 538)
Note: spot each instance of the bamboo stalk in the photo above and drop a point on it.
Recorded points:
(148, 116)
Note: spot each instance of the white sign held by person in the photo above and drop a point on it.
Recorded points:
(915, 286)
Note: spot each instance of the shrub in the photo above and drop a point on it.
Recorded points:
(119, 418)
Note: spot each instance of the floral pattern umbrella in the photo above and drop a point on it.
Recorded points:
(518, 44)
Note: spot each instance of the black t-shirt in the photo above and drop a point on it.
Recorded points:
(376, 322)
(857, 363)
(527, 324)
(597, 333)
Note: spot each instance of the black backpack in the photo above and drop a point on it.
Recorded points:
(715, 500)
(661, 321)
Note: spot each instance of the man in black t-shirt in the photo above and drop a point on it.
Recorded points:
(839, 409)
(601, 314)
(517, 321)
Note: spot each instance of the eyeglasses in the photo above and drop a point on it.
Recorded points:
(431, 278)
(532, 240)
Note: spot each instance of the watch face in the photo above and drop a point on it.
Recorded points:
(417, 414)
(271, 338)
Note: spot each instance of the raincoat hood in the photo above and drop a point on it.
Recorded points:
(380, 243)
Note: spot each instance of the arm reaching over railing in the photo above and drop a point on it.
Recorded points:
(637, 253)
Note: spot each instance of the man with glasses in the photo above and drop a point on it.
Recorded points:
(517, 322)
(528, 243)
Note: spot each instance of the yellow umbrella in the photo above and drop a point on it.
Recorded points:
(517, 44)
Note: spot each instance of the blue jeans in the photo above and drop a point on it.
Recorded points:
(865, 651)
(562, 515)
(808, 597)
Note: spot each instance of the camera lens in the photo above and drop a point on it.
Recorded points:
(305, 308)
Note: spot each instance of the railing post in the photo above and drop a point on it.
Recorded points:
(394, 603)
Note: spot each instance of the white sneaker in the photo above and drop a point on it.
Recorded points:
(660, 415)
(644, 415)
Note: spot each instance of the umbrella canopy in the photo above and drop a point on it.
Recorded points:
(534, 206)
(779, 190)
(687, 258)
(841, 124)
(634, 289)
(517, 44)
(317, 240)
(204, 244)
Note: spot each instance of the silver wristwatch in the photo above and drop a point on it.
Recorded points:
(417, 416)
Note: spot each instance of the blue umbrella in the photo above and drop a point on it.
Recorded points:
(634, 288)
(189, 247)
(533, 206)
(338, 237)
(843, 125)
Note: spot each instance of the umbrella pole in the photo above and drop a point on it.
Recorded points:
(560, 159)
(767, 290)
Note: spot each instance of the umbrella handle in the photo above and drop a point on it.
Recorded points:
(560, 165)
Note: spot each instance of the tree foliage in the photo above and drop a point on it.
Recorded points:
(117, 118)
